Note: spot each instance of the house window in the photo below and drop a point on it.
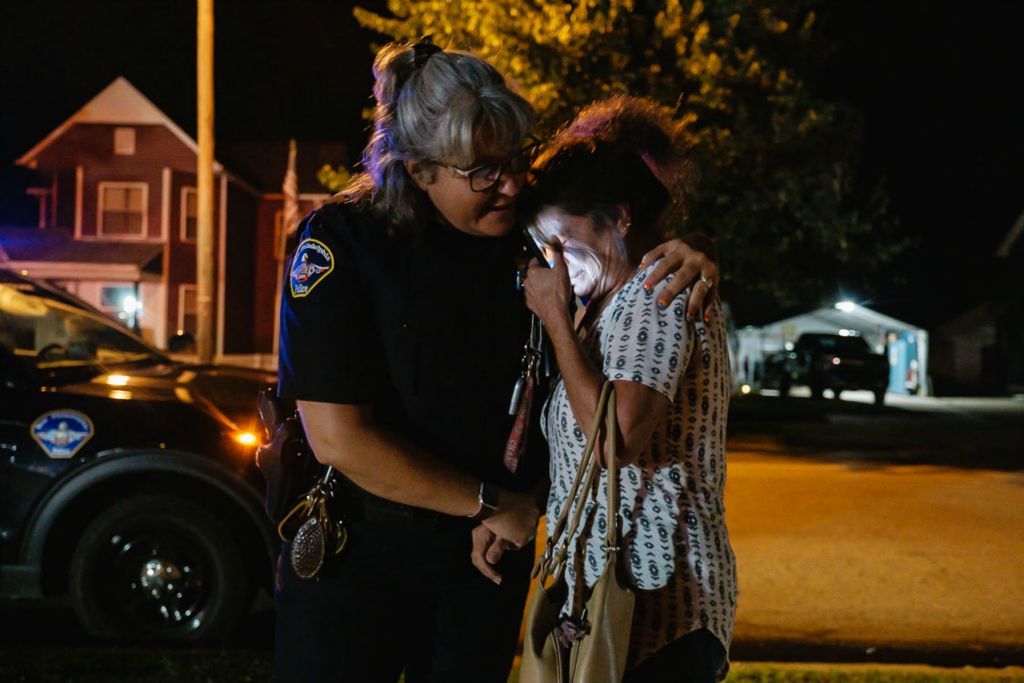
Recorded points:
(122, 210)
(187, 309)
(121, 303)
(117, 297)
(124, 141)
(189, 198)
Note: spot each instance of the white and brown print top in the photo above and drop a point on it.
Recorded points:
(676, 548)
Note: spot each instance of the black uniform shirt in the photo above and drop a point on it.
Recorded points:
(430, 333)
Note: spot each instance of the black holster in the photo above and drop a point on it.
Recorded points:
(284, 458)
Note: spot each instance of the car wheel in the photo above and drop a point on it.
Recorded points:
(157, 568)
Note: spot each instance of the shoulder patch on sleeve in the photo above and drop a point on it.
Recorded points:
(312, 264)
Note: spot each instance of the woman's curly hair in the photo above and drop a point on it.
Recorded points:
(619, 151)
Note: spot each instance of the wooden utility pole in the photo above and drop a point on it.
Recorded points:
(204, 171)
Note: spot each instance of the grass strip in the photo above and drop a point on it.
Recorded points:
(207, 665)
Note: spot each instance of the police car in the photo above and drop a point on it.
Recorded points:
(127, 479)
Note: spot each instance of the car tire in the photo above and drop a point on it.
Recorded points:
(158, 568)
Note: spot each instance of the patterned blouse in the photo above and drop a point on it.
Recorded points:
(676, 548)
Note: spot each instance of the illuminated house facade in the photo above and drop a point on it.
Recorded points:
(117, 221)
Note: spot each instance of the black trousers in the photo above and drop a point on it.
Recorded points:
(697, 657)
(402, 596)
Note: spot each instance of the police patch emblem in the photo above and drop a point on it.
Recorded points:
(312, 264)
(62, 433)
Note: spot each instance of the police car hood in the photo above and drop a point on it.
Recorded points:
(225, 391)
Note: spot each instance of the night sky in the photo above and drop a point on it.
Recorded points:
(938, 84)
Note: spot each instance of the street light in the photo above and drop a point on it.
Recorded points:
(846, 306)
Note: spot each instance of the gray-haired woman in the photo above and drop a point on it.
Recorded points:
(401, 335)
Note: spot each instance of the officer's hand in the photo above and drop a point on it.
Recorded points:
(691, 261)
(515, 520)
(487, 551)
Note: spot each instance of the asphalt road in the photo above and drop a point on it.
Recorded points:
(862, 534)
(878, 534)
(920, 562)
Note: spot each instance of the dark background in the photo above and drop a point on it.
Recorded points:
(937, 82)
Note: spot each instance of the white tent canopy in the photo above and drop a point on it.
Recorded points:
(847, 318)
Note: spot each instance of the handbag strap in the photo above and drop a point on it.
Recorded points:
(552, 561)
(611, 452)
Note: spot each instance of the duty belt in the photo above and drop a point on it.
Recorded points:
(361, 504)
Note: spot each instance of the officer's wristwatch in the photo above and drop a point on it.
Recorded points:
(488, 499)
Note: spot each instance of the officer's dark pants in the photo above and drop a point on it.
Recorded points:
(697, 657)
(403, 595)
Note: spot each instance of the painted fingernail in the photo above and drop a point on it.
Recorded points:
(648, 287)
(688, 317)
(662, 304)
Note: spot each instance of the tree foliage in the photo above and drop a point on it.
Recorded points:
(334, 179)
(777, 164)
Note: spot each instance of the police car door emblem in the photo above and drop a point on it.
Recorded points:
(62, 433)
(313, 262)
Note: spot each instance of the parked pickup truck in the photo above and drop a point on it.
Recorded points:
(828, 361)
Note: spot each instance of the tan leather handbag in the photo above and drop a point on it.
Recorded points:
(600, 655)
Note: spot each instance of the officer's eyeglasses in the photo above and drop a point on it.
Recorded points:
(487, 176)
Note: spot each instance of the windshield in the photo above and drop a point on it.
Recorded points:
(53, 335)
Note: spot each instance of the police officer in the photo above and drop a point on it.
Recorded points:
(401, 336)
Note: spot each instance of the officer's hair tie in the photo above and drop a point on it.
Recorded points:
(422, 51)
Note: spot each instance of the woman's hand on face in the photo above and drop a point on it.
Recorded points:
(690, 267)
(548, 290)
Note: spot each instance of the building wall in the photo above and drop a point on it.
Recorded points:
(265, 275)
(265, 280)
(239, 272)
(91, 146)
(151, 295)
(959, 349)
(250, 264)
(65, 198)
(181, 261)
(92, 143)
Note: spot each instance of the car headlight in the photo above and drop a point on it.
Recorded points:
(246, 438)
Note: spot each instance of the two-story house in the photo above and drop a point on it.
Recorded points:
(117, 221)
